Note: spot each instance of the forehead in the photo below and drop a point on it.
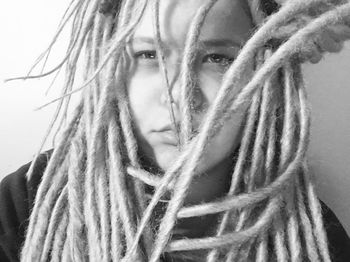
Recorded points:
(228, 19)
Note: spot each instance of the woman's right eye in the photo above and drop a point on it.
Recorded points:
(147, 54)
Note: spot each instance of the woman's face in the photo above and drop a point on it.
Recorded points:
(226, 28)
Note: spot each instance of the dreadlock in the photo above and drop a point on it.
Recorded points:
(91, 206)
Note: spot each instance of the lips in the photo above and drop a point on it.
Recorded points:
(167, 128)
(166, 135)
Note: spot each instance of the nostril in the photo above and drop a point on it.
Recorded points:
(167, 98)
(197, 99)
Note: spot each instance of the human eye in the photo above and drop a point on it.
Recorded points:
(146, 55)
(218, 59)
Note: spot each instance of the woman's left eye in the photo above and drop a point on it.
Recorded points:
(146, 54)
(220, 59)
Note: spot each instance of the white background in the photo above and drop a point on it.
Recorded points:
(27, 27)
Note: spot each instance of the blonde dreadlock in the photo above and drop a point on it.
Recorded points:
(271, 211)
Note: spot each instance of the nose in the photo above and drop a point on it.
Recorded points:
(171, 89)
(172, 93)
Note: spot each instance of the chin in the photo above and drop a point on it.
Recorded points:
(166, 157)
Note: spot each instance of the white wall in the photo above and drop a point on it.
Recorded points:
(26, 28)
(329, 93)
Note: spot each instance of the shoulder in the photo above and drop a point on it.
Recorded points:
(16, 187)
(338, 240)
(16, 199)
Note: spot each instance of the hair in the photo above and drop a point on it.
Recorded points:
(90, 204)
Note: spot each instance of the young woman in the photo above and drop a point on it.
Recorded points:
(185, 146)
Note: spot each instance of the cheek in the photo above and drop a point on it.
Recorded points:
(143, 98)
(210, 83)
(222, 145)
(229, 137)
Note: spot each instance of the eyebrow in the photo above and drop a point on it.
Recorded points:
(220, 42)
(142, 39)
(216, 42)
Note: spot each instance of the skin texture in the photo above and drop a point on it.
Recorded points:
(230, 24)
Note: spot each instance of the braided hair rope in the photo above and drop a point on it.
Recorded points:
(88, 208)
(177, 200)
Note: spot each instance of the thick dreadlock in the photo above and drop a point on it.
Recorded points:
(90, 205)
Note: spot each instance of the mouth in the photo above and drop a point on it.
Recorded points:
(169, 127)
(167, 135)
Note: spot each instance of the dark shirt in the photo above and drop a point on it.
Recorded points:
(17, 198)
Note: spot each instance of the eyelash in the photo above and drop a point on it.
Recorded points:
(221, 59)
(146, 54)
